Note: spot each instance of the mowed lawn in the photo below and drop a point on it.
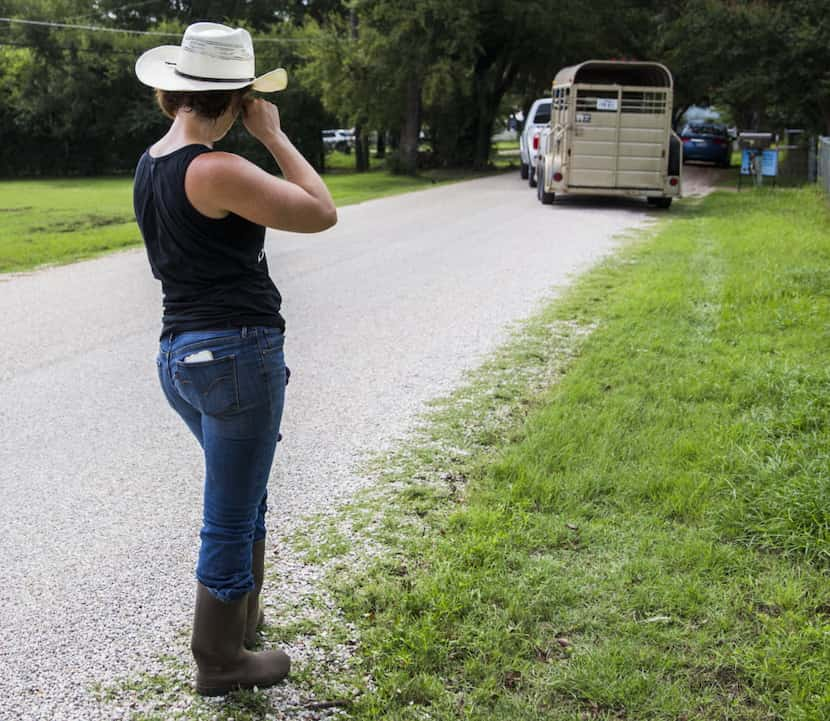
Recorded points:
(57, 221)
(652, 543)
(63, 220)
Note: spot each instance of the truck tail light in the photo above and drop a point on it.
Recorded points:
(685, 138)
(536, 142)
(720, 141)
(673, 181)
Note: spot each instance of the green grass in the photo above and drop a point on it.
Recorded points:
(337, 160)
(61, 221)
(57, 221)
(649, 538)
(506, 145)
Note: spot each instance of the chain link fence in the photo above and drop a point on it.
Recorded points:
(796, 156)
(824, 163)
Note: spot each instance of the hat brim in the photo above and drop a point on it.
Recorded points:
(157, 68)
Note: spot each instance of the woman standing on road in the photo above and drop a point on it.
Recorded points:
(203, 215)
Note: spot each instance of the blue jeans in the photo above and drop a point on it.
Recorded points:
(233, 405)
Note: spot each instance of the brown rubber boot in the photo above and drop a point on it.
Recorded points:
(222, 661)
(256, 616)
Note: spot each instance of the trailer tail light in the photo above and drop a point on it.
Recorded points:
(557, 177)
(536, 142)
(673, 182)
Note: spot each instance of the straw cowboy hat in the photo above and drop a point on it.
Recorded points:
(211, 57)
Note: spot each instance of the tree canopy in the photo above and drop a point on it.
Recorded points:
(70, 102)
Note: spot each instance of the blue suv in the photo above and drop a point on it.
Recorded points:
(707, 142)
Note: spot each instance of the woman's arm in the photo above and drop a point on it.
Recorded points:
(222, 182)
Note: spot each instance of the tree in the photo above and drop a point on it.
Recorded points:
(767, 61)
(373, 69)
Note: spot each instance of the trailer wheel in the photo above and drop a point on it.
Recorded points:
(660, 202)
(544, 198)
(523, 171)
(531, 176)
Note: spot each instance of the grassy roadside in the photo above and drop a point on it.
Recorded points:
(647, 539)
(64, 220)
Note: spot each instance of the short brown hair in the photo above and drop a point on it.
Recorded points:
(209, 104)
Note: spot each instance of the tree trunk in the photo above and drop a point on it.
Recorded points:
(488, 96)
(484, 135)
(381, 147)
(487, 106)
(411, 129)
(361, 156)
(679, 112)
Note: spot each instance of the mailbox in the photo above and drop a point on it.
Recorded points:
(758, 160)
(759, 141)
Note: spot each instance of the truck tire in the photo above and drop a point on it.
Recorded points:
(663, 203)
(523, 171)
(544, 198)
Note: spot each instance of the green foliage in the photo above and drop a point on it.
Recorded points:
(767, 62)
(70, 104)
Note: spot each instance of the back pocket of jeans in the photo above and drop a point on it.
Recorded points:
(209, 386)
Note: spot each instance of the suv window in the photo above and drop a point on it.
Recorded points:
(718, 130)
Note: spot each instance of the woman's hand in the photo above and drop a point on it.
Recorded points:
(261, 119)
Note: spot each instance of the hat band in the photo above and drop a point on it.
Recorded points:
(213, 80)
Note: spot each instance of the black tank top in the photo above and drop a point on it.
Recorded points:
(213, 272)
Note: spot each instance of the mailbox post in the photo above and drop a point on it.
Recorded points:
(758, 160)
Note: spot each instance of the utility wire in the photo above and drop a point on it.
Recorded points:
(128, 6)
(94, 28)
(99, 28)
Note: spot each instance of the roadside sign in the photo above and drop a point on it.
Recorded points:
(759, 163)
(748, 160)
(606, 103)
(768, 159)
(769, 163)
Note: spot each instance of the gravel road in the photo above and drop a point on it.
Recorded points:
(101, 481)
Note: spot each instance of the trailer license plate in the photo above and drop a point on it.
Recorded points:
(583, 117)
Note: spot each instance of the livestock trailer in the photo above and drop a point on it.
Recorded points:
(610, 133)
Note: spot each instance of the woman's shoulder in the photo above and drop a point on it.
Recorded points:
(213, 178)
(220, 160)
(218, 168)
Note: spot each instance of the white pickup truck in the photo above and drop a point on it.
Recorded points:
(538, 118)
